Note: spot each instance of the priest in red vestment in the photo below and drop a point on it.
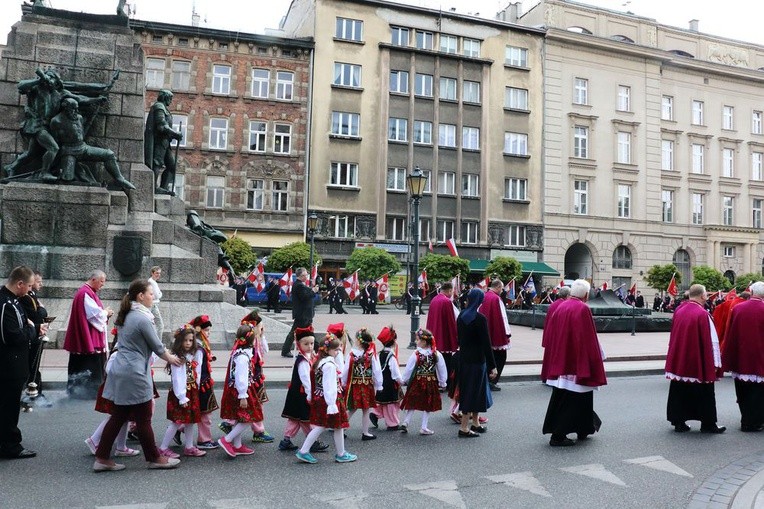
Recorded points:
(573, 366)
(743, 357)
(495, 312)
(722, 331)
(441, 321)
(693, 364)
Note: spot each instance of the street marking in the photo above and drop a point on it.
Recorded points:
(445, 491)
(659, 463)
(595, 471)
(342, 499)
(234, 503)
(521, 480)
(134, 506)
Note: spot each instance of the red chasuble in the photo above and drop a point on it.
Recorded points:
(81, 336)
(743, 353)
(490, 308)
(572, 347)
(690, 353)
(441, 321)
(549, 312)
(721, 317)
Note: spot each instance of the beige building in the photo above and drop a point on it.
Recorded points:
(397, 86)
(653, 145)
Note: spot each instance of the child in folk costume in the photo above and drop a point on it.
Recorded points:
(327, 404)
(389, 398)
(240, 400)
(207, 401)
(183, 398)
(425, 372)
(362, 378)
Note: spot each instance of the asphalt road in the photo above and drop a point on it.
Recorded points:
(635, 461)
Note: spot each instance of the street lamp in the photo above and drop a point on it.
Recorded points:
(312, 227)
(416, 183)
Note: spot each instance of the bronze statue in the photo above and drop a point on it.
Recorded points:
(199, 227)
(121, 8)
(156, 143)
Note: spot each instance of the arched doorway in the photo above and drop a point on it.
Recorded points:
(682, 262)
(730, 275)
(579, 262)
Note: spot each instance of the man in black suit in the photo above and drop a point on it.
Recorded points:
(273, 292)
(36, 312)
(302, 308)
(373, 294)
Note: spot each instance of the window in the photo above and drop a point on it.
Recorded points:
(423, 85)
(756, 123)
(255, 194)
(471, 91)
(757, 166)
(756, 208)
(344, 174)
(697, 208)
(728, 117)
(424, 229)
(180, 186)
(515, 189)
(347, 75)
(580, 197)
(470, 185)
(448, 43)
(667, 155)
(728, 210)
(516, 235)
(624, 98)
(516, 98)
(280, 195)
(447, 183)
(728, 251)
(667, 108)
(345, 124)
(422, 132)
(400, 36)
(622, 258)
(697, 112)
(221, 79)
(424, 40)
(516, 144)
(219, 133)
(180, 123)
(257, 134)
(581, 91)
(624, 148)
(516, 57)
(428, 181)
(349, 29)
(215, 192)
(396, 129)
(181, 75)
(154, 72)
(471, 48)
(471, 138)
(396, 228)
(448, 89)
(447, 135)
(445, 230)
(667, 197)
(399, 82)
(698, 165)
(469, 232)
(340, 226)
(282, 138)
(396, 179)
(284, 85)
(728, 162)
(581, 142)
(261, 83)
(624, 201)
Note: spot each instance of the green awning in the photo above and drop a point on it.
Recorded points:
(540, 268)
(478, 265)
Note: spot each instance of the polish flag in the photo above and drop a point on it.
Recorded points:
(432, 250)
(313, 275)
(423, 279)
(604, 286)
(285, 283)
(382, 288)
(672, 289)
(633, 289)
(451, 245)
(350, 284)
(483, 285)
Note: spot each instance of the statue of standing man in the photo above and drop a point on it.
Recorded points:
(156, 143)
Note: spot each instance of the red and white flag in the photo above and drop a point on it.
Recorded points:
(451, 245)
(633, 289)
(222, 276)
(350, 284)
(509, 288)
(313, 275)
(430, 247)
(483, 284)
(672, 289)
(423, 280)
(258, 277)
(285, 283)
(604, 286)
(732, 294)
(382, 288)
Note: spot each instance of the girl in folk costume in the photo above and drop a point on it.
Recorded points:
(183, 398)
(388, 399)
(425, 372)
(240, 401)
(362, 378)
(207, 402)
(327, 405)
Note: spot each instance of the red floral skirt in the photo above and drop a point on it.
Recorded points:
(102, 404)
(423, 395)
(361, 396)
(319, 417)
(230, 409)
(191, 414)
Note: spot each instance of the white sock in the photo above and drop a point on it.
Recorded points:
(311, 438)
(236, 433)
(407, 419)
(96, 436)
(366, 421)
(189, 435)
(339, 441)
(425, 419)
(121, 441)
(171, 429)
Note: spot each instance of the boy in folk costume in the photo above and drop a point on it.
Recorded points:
(389, 398)
(207, 401)
(362, 378)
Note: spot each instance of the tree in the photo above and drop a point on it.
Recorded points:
(659, 276)
(441, 268)
(296, 254)
(504, 268)
(743, 280)
(240, 254)
(372, 263)
(709, 277)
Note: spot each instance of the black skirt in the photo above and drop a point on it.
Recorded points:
(571, 412)
(688, 401)
(474, 395)
(750, 399)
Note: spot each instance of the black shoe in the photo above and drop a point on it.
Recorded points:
(681, 427)
(565, 442)
(714, 429)
(393, 428)
(493, 387)
(368, 437)
(467, 434)
(374, 420)
(479, 429)
(750, 428)
(582, 436)
(318, 446)
(22, 454)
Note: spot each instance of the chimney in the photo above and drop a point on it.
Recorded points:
(515, 11)
(195, 19)
(694, 25)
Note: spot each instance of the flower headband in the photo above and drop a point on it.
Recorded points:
(362, 336)
(424, 334)
(327, 341)
(183, 329)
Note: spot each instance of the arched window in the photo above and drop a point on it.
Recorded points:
(622, 38)
(579, 30)
(682, 262)
(622, 258)
(730, 275)
(681, 53)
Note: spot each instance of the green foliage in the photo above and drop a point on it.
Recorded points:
(709, 277)
(296, 254)
(659, 276)
(743, 280)
(372, 263)
(240, 254)
(441, 268)
(504, 268)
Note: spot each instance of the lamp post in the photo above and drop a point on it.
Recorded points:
(416, 183)
(312, 227)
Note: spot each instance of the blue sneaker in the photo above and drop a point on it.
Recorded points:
(306, 458)
(262, 438)
(287, 445)
(345, 458)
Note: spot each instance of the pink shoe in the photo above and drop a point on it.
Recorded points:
(91, 445)
(167, 453)
(482, 420)
(243, 451)
(194, 452)
(227, 447)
